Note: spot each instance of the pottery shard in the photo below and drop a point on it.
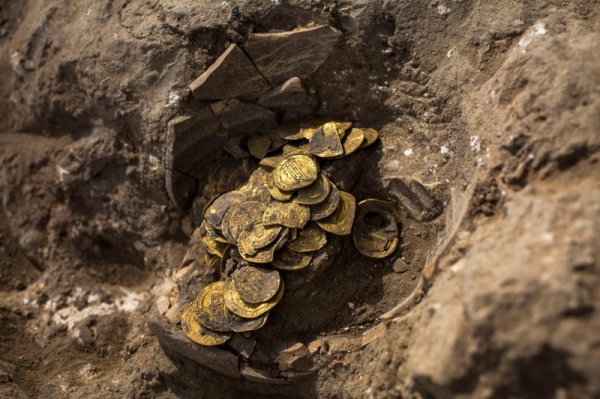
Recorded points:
(281, 56)
(218, 360)
(191, 141)
(292, 356)
(290, 94)
(240, 118)
(232, 75)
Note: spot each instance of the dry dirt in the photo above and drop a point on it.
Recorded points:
(495, 103)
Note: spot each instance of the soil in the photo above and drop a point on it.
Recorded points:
(499, 103)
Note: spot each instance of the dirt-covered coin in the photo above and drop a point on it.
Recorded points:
(240, 218)
(291, 260)
(276, 192)
(242, 324)
(271, 162)
(328, 206)
(237, 305)
(256, 284)
(353, 141)
(289, 214)
(260, 236)
(263, 255)
(211, 240)
(296, 172)
(370, 135)
(259, 145)
(316, 192)
(211, 308)
(340, 222)
(375, 232)
(194, 330)
(216, 210)
(256, 187)
(325, 142)
(310, 239)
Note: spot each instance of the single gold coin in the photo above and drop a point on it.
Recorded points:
(375, 232)
(371, 136)
(240, 218)
(252, 255)
(310, 239)
(316, 192)
(237, 305)
(210, 240)
(296, 172)
(327, 207)
(259, 145)
(211, 308)
(260, 236)
(276, 192)
(256, 187)
(194, 330)
(242, 324)
(217, 209)
(291, 260)
(353, 141)
(289, 214)
(256, 284)
(340, 222)
(271, 162)
(326, 143)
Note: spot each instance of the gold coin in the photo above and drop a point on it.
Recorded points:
(296, 172)
(353, 141)
(242, 324)
(292, 260)
(327, 207)
(237, 305)
(211, 308)
(289, 214)
(240, 218)
(194, 330)
(271, 162)
(259, 145)
(310, 239)
(209, 239)
(256, 187)
(340, 222)
(371, 136)
(260, 236)
(263, 255)
(256, 284)
(325, 143)
(217, 209)
(316, 192)
(276, 192)
(375, 232)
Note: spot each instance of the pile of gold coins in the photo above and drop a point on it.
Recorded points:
(276, 222)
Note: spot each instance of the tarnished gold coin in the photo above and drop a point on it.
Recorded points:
(194, 330)
(256, 284)
(276, 192)
(210, 240)
(296, 130)
(371, 136)
(375, 232)
(327, 207)
(259, 145)
(310, 239)
(256, 187)
(289, 214)
(271, 162)
(296, 172)
(242, 324)
(316, 192)
(240, 218)
(353, 141)
(211, 308)
(217, 209)
(340, 222)
(291, 260)
(237, 305)
(260, 236)
(250, 254)
(325, 142)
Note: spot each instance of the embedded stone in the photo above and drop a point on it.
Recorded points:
(232, 75)
(290, 94)
(242, 345)
(241, 118)
(283, 55)
(292, 356)
(415, 198)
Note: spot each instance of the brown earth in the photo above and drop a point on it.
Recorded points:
(500, 102)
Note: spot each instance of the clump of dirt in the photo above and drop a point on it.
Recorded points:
(496, 102)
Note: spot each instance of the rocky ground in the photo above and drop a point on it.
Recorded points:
(495, 108)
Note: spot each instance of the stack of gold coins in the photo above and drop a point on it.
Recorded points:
(276, 222)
